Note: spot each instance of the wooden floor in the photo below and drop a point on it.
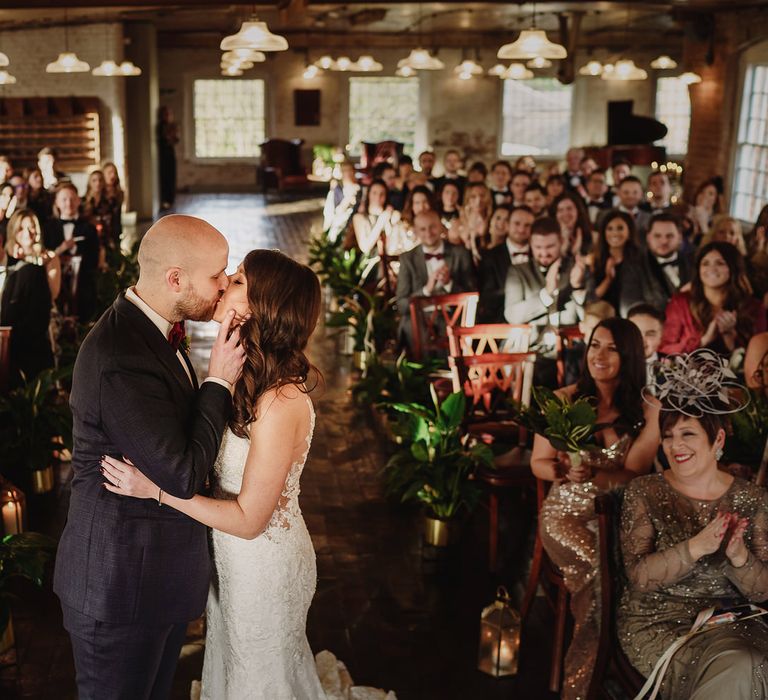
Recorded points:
(398, 618)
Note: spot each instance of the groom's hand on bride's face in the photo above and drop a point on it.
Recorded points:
(227, 355)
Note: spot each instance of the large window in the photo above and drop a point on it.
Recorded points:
(383, 109)
(229, 118)
(673, 109)
(750, 182)
(536, 117)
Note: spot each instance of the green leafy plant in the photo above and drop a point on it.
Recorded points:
(370, 317)
(24, 555)
(436, 463)
(748, 432)
(122, 272)
(342, 270)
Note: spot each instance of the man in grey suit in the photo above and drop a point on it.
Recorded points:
(130, 574)
(433, 267)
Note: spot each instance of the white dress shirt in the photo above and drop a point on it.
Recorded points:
(69, 234)
(433, 265)
(671, 271)
(518, 254)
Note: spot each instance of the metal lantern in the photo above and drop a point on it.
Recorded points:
(12, 508)
(499, 637)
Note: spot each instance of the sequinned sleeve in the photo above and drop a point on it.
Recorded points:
(647, 569)
(752, 578)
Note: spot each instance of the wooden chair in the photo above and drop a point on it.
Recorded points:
(610, 656)
(489, 381)
(488, 338)
(5, 357)
(432, 316)
(281, 166)
(565, 337)
(374, 153)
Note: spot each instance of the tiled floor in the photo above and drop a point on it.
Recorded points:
(399, 619)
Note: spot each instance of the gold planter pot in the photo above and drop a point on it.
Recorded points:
(6, 638)
(436, 531)
(42, 480)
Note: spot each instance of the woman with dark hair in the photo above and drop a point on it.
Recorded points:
(695, 539)
(719, 312)
(39, 199)
(615, 247)
(470, 228)
(448, 207)
(373, 218)
(613, 377)
(575, 226)
(256, 643)
(707, 203)
(555, 186)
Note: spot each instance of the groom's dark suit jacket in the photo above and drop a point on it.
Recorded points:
(128, 560)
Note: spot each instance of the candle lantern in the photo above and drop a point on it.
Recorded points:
(12, 508)
(499, 637)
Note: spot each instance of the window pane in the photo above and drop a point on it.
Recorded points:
(383, 109)
(229, 118)
(536, 117)
(673, 109)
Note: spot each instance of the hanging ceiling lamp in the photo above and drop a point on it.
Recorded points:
(405, 71)
(67, 62)
(4, 60)
(231, 71)
(128, 69)
(6, 78)
(469, 68)
(421, 59)
(344, 63)
(106, 69)
(367, 64)
(532, 43)
(325, 62)
(240, 65)
(111, 69)
(592, 67)
(311, 72)
(498, 70)
(517, 71)
(244, 55)
(625, 69)
(254, 35)
(539, 62)
(663, 63)
(690, 78)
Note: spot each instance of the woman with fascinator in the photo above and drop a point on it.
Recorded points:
(695, 538)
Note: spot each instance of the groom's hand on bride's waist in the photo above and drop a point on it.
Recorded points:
(227, 355)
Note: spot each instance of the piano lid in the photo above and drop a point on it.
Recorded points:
(625, 128)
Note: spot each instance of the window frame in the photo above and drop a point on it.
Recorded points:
(672, 154)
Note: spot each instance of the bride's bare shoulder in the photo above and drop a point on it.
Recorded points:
(289, 398)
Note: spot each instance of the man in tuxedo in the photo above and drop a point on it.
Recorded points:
(598, 199)
(131, 574)
(25, 306)
(431, 268)
(451, 167)
(650, 322)
(573, 177)
(536, 199)
(501, 174)
(662, 269)
(496, 262)
(76, 243)
(630, 197)
(661, 192)
(518, 185)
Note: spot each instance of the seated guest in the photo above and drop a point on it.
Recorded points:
(427, 161)
(25, 306)
(573, 353)
(706, 204)
(727, 229)
(527, 164)
(469, 229)
(587, 166)
(76, 243)
(451, 167)
(399, 190)
(342, 201)
(692, 539)
(39, 199)
(6, 169)
(7, 204)
(599, 198)
(630, 197)
(97, 209)
(536, 199)
(548, 285)
(612, 377)
(375, 220)
(615, 252)
(753, 361)
(573, 176)
(575, 228)
(660, 191)
(386, 173)
(555, 187)
(25, 242)
(401, 236)
(115, 197)
(496, 262)
(650, 322)
(501, 175)
(757, 250)
(661, 270)
(719, 312)
(46, 164)
(518, 185)
(431, 268)
(449, 208)
(477, 173)
(620, 169)
(19, 184)
(497, 226)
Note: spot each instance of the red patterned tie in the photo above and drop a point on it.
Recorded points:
(177, 334)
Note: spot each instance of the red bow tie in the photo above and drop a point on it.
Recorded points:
(433, 256)
(176, 334)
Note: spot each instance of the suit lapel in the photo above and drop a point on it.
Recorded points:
(191, 369)
(420, 268)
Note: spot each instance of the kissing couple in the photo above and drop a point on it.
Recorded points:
(133, 565)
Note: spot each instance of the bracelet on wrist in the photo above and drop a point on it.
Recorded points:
(160, 497)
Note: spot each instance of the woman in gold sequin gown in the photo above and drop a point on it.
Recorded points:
(613, 374)
(693, 538)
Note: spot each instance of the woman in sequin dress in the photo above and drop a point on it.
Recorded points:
(693, 538)
(614, 374)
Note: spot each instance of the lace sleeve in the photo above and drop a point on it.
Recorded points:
(647, 569)
(752, 578)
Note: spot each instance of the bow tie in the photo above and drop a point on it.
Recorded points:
(668, 261)
(69, 221)
(176, 334)
(433, 256)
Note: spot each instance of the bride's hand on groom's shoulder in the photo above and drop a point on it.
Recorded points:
(227, 355)
(124, 479)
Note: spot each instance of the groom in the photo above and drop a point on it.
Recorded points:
(131, 574)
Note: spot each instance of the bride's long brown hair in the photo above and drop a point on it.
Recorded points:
(284, 302)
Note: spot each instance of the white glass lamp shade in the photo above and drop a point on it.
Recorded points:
(532, 43)
(593, 68)
(325, 62)
(367, 64)
(690, 78)
(663, 63)
(231, 71)
(67, 62)
(6, 78)
(4, 59)
(242, 65)
(517, 71)
(107, 69)
(421, 59)
(344, 63)
(469, 67)
(405, 71)
(127, 68)
(311, 72)
(498, 70)
(244, 55)
(254, 35)
(625, 69)
(539, 62)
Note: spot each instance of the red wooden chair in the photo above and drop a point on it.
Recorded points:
(487, 338)
(565, 337)
(5, 357)
(432, 316)
(281, 165)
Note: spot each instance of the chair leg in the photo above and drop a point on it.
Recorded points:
(493, 531)
(533, 579)
(558, 645)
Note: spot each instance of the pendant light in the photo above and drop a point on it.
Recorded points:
(231, 71)
(468, 68)
(421, 59)
(244, 55)
(6, 78)
(128, 69)
(325, 62)
(690, 78)
(67, 62)
(532, 43)
(539, 62)
(593, 68)
(311, 72)
(625, 69)
(367, 64)
(4, 60)
(240, 65)
(344, 63)
(517, 71)
(663, 63)
(254, 35)
(498, 70)
(405, 71)
(109, 68)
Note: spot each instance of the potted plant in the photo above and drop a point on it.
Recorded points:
(436, 464)
(24, 555)
(35, 425)
(745, 446)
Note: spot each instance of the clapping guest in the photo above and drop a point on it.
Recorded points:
(719, 312)
(706, 204)
(477, 173)
(97, 209)
(613, 377)
(536, 199)
(46, 163)
(501, 175)
(728, 230)
(660, 191)
(631, 196)
(518, 185)
(25, 242)
(599, 198)
(449, 208)
(341, 202)
(375, 216)
(575, 227)
(650, 322)
(39, 199)
(496, 261)
(555, 187)
(615, 251)
(573, 177)
(401, 236)
(7, 204)
(497, 226)
(526, 164)
(451, 167)
(470, 228)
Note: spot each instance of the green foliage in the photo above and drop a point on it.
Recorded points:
(342, 270)
(26, 556)
(569, 426)
(122, 273)
(749, 431)
(34, 420)
(370, 317)
(436, 462)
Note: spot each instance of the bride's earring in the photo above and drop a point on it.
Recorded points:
(719, 453)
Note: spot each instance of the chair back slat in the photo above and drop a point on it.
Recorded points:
(565, 337)
(431, 316)
(489, 338)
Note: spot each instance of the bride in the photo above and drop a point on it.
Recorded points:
(264, 562)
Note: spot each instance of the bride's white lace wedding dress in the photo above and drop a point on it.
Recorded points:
(256, 646)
